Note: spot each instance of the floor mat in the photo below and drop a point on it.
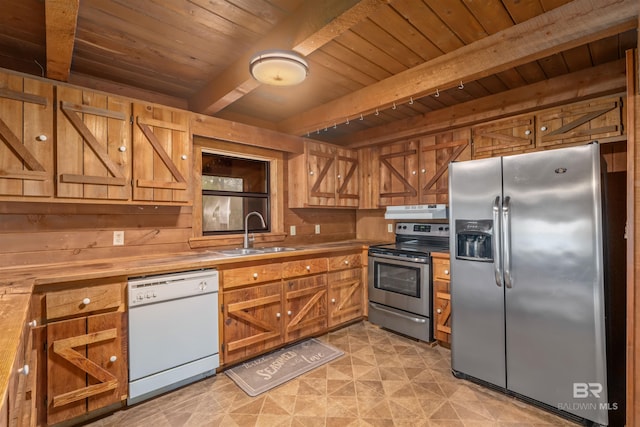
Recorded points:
(270, 370)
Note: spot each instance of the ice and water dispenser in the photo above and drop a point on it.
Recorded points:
(474, 239)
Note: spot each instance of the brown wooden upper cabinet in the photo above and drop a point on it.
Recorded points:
(514, 135)
(162, 160)
(325, 175)
(93, 145)
(598, 119)
(411, 172)
(26, 137)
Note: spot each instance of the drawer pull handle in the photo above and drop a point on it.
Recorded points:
(346, 262)
(333, 300)
(113, 359)
(41, 138)
(308, 267)
(122, 148)
(439, 311)
(33, 323)
(183, 157)
(24, 370)
(255, 275)
(278, 315)
(86, 301)
(446, 272)
(289, 312)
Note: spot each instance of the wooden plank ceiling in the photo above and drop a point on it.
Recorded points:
(372, 62)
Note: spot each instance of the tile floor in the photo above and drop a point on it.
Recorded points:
(382, 380)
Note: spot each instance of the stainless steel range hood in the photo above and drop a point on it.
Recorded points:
(440, 211)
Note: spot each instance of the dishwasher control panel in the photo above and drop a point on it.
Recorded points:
(152, 289)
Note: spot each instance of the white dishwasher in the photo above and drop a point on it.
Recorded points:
(173, 331)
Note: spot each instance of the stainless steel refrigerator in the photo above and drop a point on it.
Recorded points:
(528, 278)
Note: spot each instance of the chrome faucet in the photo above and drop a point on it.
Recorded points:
(245, 245)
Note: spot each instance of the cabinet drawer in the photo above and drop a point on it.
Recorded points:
(345, 261)
(304, 267)
(73, 302)
(441, 269)
(249, 275)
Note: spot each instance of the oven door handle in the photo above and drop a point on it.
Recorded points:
(399, 260)
(413, 319)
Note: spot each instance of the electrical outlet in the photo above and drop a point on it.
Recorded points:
(390, 228)
(118, 238)
(317, 228)
(292, 230)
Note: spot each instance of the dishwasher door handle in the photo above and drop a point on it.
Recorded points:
(403, 316)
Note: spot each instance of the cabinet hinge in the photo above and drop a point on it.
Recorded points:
(221, 308)
(131, 120)
(222, 347)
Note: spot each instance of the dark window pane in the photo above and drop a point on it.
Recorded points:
(225, 173)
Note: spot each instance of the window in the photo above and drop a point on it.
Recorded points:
(232, 188)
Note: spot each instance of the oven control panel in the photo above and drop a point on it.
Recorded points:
(421, 229)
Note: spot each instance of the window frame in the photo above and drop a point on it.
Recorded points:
(243, 194)
(277, 161)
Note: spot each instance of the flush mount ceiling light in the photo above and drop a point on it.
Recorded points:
(278, 67)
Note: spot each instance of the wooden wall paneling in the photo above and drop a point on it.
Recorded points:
(335, 225)
(633, 239)
(38, 233)
(369, 181)
(26, 112)
(615, 154)
(371, 225)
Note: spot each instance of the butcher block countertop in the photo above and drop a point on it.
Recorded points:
(17, 283)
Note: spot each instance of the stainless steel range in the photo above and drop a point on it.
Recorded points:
(400, 279)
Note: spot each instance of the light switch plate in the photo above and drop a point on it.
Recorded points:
(292, 230)
(317, 228)
(118, 238)
(390, 228)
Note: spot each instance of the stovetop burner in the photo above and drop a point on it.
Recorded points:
(416, 239)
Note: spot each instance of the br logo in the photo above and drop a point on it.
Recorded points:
(584, 390)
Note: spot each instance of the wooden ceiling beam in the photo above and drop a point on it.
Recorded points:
(309, 28)
(568, 26)
(606, 79)
(61, 20)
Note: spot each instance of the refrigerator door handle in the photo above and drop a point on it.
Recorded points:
(497, 267)
(506, 241)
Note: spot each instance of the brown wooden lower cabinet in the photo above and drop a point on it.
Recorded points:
(86, 367)
(346, 296)
(252, 321)
(442, 299)
(259, 317)
(306, 306)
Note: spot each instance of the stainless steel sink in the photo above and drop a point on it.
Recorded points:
(277, 249)
(240, 251)
(254, 251)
